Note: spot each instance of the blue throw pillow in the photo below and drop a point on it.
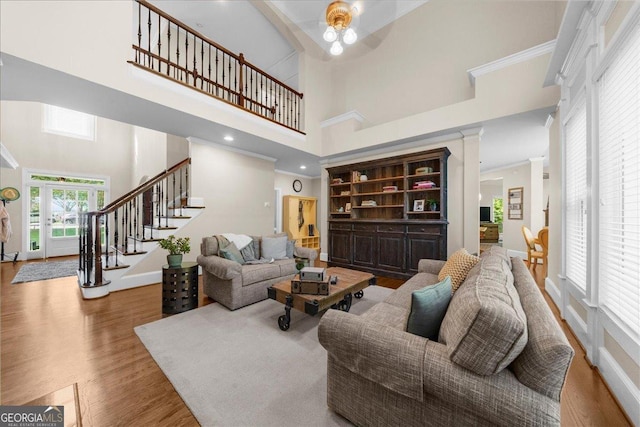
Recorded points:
(428, 307)
(232, 253)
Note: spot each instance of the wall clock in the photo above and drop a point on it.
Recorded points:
(297, 185)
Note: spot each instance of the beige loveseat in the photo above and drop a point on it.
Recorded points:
(378, 374)
(235, 285)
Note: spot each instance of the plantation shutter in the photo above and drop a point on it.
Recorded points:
(619, 152)
(576, 196)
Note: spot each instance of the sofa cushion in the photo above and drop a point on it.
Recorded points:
(274, 247)
(232, 253)
(259, 272)
(291, 245)
(428, 307)
(388, 315)
(401, 297)
(287, 267)
(499, 251)
(485, 327)
(248, 253)
(457, 266)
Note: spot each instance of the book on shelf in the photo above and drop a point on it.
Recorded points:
(345, 193)
(368, 203)
(423, 184)
(355, 176)
(389, 188)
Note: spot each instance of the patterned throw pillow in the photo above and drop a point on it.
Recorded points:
(457, 266)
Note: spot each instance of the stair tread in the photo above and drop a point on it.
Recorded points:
(113, 267)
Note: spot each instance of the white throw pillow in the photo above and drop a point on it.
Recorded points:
(274, 247)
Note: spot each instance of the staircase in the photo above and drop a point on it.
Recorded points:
(116, 238)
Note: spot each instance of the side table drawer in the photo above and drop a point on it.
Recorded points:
(179, 288)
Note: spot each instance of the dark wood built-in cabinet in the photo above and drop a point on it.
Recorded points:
(386, 215)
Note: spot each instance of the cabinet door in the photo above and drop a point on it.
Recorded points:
(421, 246)
(340, 247)
(391, 252)
(364, 249)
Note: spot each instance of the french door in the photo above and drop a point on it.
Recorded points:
(63, 206)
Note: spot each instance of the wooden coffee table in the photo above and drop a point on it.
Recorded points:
(350, 283)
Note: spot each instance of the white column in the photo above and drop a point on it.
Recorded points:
(471, 204)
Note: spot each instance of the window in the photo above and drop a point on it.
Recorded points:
(619, 184)
(576, 196)
(60, 121)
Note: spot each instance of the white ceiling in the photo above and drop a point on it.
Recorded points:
(241, 27)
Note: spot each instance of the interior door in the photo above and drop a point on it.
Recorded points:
(64, 205)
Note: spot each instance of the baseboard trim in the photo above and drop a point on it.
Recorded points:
(578, 326)
(136, 280)
(554, 292)
(624, 390)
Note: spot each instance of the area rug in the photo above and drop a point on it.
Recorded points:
(45, 270)
(235, 368)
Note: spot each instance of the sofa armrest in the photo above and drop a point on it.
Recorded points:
(387, 356)
(312, 254)
(432, 266)
(496, 397)
(220, 267)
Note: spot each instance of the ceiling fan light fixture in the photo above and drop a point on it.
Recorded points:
(350, 36)
(330, 35)
(338, 17)
(336, 48)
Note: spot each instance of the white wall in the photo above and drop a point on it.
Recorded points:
(149, 154)
(21, 132)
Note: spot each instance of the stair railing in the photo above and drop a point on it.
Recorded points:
(169, 48)
(120, 228)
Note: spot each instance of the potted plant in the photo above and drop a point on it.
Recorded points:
(176, 247)
(433, 204)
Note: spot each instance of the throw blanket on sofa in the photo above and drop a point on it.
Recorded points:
(240, 240)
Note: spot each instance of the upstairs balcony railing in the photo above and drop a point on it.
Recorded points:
(167, 47)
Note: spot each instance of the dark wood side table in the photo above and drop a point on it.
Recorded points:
(179, 288)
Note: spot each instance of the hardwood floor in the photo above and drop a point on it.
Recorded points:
(51, 339)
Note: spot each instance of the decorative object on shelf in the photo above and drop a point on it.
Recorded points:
(339, 17)
(516, 203)
(176, 247)
(424, 170)
(345, 193)
(433, 204)
(418, 205)
(337, 181)
(297, 185)
(419, 185)
(347, 207)
(355, 176)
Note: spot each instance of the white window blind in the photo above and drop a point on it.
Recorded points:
(619, 152)
(576, 196)
(71, 123)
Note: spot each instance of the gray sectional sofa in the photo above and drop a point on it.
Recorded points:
(500, 359)
(235, 285)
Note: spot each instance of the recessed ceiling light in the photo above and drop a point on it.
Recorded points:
(199, 25)
(303, 167)
(228, 138)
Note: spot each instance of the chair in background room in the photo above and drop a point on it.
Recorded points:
(533, 253)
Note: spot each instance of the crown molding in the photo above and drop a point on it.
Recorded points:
(7, 161)
(195, 140)
(516, 58)
(297, 175)
(349, 115)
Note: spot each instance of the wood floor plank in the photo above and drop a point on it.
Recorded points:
(51, 338)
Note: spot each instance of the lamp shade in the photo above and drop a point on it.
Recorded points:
(336, 48)
(350, 36)
(330, 35)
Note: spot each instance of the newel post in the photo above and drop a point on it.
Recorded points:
(98, 253)
(241, 79)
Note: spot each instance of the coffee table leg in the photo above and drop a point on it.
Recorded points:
(344, 304)
(284, 321)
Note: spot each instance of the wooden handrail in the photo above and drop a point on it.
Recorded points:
(120, 201)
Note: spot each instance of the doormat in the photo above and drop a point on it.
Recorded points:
(45, 270)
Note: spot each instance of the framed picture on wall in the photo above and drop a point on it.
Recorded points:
(515, 203)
